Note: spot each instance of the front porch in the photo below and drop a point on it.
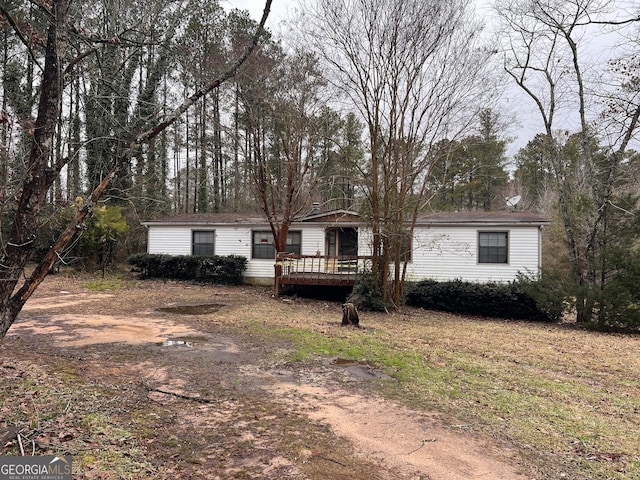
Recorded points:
(343, 271)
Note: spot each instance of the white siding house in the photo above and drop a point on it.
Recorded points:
(475, 246)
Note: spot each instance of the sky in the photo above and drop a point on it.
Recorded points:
(279, 9)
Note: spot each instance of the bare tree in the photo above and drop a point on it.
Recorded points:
(545, 54)
(282, 134)
(42, 172)
(414, 70)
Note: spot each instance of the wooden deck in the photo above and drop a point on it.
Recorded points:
(294, 269)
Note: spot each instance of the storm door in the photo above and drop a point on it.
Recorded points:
(341, 241)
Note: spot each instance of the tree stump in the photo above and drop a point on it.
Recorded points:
(350, 315)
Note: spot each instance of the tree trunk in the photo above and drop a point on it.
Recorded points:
(4, 130)
(73, 169)
(41, 174)
(201, 160)
(350, 315)
(218, 172)
(236, 150)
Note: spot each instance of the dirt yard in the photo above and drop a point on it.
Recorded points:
(156, 380)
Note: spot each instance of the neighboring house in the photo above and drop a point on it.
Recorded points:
(472, 246)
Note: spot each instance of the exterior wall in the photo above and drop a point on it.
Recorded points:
(439, 253)
(169, 240)
(230, 240)
(449, 253)
(312, 239)
(365, 242)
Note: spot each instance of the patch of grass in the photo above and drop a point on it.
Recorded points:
(104, 284)
(58, 413)
(111, 281)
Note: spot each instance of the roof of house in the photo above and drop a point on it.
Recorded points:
(476, 218)
(208, 219)
(481, 218)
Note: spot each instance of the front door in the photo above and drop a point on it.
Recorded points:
(341, 242)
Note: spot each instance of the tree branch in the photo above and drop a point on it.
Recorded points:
(16, 28)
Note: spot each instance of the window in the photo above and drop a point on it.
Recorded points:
(263, 244)
(493, 247)
(294, 242)
(203, 242)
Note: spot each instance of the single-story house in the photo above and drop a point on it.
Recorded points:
(470, 246)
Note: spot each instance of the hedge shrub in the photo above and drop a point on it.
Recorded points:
(497, 300)
(367, 294)
(227, 270)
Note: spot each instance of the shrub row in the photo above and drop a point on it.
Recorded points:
(510, 301)
(215, 269)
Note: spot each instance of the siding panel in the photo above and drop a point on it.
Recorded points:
(439, 252)
(449, 253)
(169, 240)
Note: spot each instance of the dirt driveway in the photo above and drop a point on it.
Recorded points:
(156, 381)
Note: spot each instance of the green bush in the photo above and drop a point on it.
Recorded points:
(548, 291)
(367, 294)
(227, 270)
(497, 300)
(618, 303)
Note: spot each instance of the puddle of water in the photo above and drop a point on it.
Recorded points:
(363, 370)
(183, 342)
(177, 343)
(192, 309)
(345, 362)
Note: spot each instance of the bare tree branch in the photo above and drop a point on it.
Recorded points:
(23, 38)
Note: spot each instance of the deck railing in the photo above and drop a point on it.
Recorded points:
(292, 269)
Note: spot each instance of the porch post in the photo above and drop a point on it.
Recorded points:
(278, 274)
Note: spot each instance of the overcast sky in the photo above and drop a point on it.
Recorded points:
(279, 9)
